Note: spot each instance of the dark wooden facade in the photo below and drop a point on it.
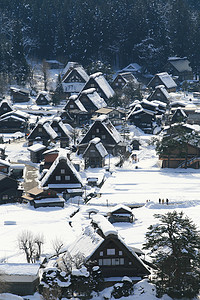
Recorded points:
(110, 137)
(122, 79)
(42, 99)
(116, 260)
(177, 158)
(5, 107)
(160, 93)
(74, 80)
(19, 95)
(62, 175)
(94, 155)
(42, 132)
(9, 191)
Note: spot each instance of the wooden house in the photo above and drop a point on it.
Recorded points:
(94, 155)
(91, 100)
(123, 79)
(5, 107)
(69, 66)
(134, 68)
(103, 88)
(74, 80)
(121, 213)
(161, 94)
(9, 190)
(163, 79)
(62, 175)
(43, 98)
(185, 155)
(142, 118)
(43, 197)
(179, 116)
(36, 151)
(49, 156)
(115, 115)
(13, 121)
(109, 252)
(62, 132)
(19, 279)
(179, 67)
(43, 133)
(19, 95)
(110, 137)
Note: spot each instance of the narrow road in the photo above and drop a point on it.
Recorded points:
(31, 178)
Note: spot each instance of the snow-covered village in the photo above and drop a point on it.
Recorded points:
(99, 150)
(81, 183)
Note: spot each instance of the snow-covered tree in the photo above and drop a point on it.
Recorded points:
(174, 245)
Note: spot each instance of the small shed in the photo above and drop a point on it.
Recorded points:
(19, 278)
(36, 151)
(121, 213)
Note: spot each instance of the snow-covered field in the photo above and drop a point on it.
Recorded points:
(127, 185)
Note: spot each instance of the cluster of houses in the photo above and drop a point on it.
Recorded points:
(52, 139)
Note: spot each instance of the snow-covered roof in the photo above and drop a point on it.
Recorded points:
(20, 269)
(113, 131)
(133, 67)
(167, 80)
(103, 84)
(49, 200)
(70, 64)
(4, 163)
(18, 113)
(106, 227)
(36, 147)
(50, 130)
(94, 97)
(44, 94)
(86, 243)
(98, 145)
(180, 64)
(12, 117)
(119, 206)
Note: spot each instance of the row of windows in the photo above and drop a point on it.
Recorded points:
(58, 177)
(111, 262)
(111, 252)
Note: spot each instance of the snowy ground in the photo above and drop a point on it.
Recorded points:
(126, 185)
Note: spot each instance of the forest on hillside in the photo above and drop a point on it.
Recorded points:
(114, 31)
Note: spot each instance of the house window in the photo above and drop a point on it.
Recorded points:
(62, 171)
(121, 261)
(5, 197)
(39, 129)
(5, 108)
(92, 150)
(100, 262)
(97, 130)
(93, 136)
(71, 106)
(158, 94)
(120, 253)
(106, 262)
(115, 261)
(116, 83)
(92, 85)
(101, 253)
(59, 133)
(67, 177)
(130, 263)
(55, 128)
(110, 251)
(58, 178)
(103, 137)
(120, 80)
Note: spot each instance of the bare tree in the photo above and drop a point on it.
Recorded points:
(30, 245)
(27, 244)
(39, 241)
(45, 73)
(57, 246)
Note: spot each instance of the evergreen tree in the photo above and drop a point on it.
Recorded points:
(174, 243)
